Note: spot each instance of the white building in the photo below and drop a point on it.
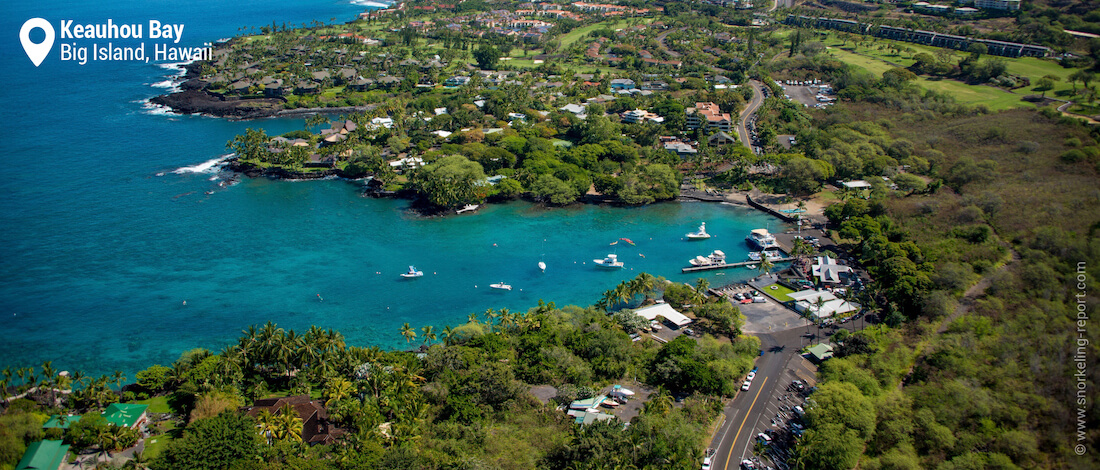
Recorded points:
(827, 271)
(664, 310)
(806, 302)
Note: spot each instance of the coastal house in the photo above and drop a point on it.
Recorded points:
(361, 84)
(819, 352)
(307, 88)
(654, 86)
(666, 311)
(60, 421)
(321, 76)
(240, 87)
(316, 427)
(126, 415)
(456, 81)
(389, 81)
(43, 455)
(346, 75)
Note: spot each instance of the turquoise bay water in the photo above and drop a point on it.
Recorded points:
(103, 238)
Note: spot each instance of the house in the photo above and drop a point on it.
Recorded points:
(680, 148)
(820, 352)
(126, 414)
(274, 88)
(709, 116)
(389, 81)
(43, 455)
(306, 88)
(654, 86)
(457, 80)
(622, 84)
(60, 422)
(721, 138)
(382, 121)
(663, 310)
(362, 84)
(827, 271)
(316, 428)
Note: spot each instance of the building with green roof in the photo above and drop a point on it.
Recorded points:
(43, 455)
(61, 422)
(125, 414)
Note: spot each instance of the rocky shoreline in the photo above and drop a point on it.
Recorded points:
(194, 98)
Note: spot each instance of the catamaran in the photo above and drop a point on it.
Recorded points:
(761, 239)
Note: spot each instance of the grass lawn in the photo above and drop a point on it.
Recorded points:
(576, 34)
(155, 445)
(780, 292)
(1031, 67)
(996, 98)
(156, 404)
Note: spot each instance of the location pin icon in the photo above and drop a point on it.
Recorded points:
(37, 52)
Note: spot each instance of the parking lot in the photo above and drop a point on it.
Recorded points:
(809, 95)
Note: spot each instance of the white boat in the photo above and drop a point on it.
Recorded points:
(501, 285)
(750, 266)
(611, 262)
(770, 254)
(761, 239)
(699, 235)
(542, 266)
(717, 257)
(412, 273)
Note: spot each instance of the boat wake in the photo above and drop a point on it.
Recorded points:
(210, 166)
(370, 3)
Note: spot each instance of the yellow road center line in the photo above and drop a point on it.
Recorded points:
(749, 412)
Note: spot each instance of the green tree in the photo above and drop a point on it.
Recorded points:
(408, 332)
(487, 57)
(211, 443)
(451, 182)
(550, 189)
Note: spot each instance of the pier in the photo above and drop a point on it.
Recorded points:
(712, 267)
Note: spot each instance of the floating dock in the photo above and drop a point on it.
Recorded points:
(712, 267)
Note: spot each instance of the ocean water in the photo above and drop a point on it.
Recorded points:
(114, 256)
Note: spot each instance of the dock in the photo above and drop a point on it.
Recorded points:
(712, 267)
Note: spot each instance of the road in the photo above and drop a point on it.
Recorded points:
(746, 114)
(747, 414)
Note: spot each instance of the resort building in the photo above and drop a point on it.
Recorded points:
(1009, 5)
(43, 455)
(709, 116)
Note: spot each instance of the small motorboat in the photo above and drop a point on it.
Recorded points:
(610, 262)
(542, 266)
(412, 273)
(701, 234)
(501, 285)
(750, 266)
(717, 257)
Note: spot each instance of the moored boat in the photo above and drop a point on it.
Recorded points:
(412, 273)
(717, 257)
(501, 285)
(761, 239)
(610, 262)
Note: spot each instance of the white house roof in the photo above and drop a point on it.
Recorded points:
(857, 184)
(664, 310)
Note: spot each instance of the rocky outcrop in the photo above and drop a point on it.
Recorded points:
(198, 101)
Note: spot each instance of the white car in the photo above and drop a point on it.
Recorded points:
(752, 375)
(746, 385)
(706, 463)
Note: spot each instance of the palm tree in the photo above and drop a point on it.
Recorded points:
(429, 334)
(265, 423)
(472, 318)
(338, 389)
(646, 284)
(448, 333)
(288, 426)
(660, 402)
(408, 332)
(701, 287)
(766, 264)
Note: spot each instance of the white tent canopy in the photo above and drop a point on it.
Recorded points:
(664, 310)
(806, 301)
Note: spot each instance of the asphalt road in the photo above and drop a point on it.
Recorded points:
(748, 413)
(750, 109)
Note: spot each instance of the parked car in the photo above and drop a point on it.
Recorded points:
(746, 385)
